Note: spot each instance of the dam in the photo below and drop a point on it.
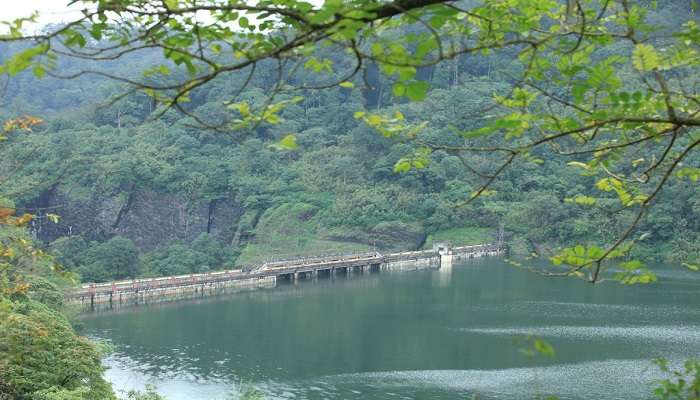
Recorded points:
(111, 295)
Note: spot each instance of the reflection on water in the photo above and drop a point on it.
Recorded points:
(437, 334)
(444, 275)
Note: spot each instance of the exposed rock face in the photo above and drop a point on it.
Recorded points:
(398, 235)
(152, 220)
(224, 218)
(149, 219)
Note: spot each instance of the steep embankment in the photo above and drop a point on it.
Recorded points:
(148, 218)
(296, 229)
(153, 220)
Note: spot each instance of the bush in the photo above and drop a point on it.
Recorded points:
(41, 356)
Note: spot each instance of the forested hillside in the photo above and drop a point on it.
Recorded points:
(158, 137)
(180, 197)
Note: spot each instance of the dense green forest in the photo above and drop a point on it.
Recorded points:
(181, 198)
(197, 169)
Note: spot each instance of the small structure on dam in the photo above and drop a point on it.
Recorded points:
(139, 291)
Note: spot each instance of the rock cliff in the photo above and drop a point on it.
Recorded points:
(148, 218)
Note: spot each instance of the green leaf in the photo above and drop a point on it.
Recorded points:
(243, 108)
(96, 30)
(317, 65)
(73, 38)
(634, 272)
(484, 131)
(582, 200)
(23, 60)
(377, 49)
(419, 159)
(645, 58)
(402, 166)
(398, 89)
(288, 142)
(406, 73)
(272, 118)
(692, 267)
(691, 173)
(347, 84)
(417, 90)
(544, 348)
(39, 71)
(437, 21)
(374, 120)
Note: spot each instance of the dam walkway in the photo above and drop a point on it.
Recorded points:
(111, 294)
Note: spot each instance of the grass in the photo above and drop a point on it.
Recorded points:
(292, 230)
(288, 231)
(255, 252)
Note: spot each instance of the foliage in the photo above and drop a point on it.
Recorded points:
(41, 356)
(534, 347)
(204, 254)
(41, 353)
(684, 383)
(292, 230)
(601, 88)
(114, 259)
(575, 123)
(149, 393)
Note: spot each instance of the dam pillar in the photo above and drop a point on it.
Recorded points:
(444, 251)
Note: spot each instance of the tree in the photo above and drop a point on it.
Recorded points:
(41, 356)
(117, 258)
(593, 82)
(69, 251)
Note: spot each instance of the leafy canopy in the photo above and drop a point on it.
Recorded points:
(594, 81)
(41, 356)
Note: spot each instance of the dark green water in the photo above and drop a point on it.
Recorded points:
(431, 334)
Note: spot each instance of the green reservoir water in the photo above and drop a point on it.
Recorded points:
(429, 334)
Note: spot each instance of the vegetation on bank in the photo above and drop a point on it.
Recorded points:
(41, 355)
(341, 170)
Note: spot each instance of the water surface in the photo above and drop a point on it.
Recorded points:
(430, 334)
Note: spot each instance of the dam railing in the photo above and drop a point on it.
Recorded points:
(267, 273)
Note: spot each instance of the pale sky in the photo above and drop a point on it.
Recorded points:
(49, 10)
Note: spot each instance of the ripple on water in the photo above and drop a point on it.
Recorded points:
(609, 379)
(678, 335)
(577, 311)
